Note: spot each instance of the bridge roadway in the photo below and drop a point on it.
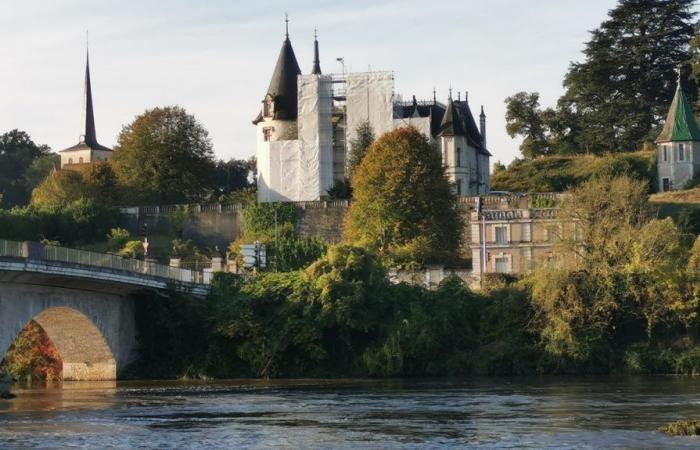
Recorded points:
(83, 300)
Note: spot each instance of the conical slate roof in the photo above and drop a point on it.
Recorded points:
(283, 86)
(680, 122)
(451, 124)
(89, 137)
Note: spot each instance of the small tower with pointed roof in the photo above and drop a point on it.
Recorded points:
(678, 145)
(277, 118)
(87, 150)
(463, 151)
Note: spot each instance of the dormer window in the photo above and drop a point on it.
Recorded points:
(268, 107)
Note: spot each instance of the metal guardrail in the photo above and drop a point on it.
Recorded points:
(103, 260)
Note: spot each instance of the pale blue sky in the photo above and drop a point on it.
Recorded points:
(215, 57)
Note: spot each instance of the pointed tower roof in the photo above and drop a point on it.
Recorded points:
(283, 85)
(680, 122)
(88, 138)
(451, 124)
(317, 62)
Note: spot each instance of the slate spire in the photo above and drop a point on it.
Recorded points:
(283, 85)
(317, 62)
(89, 135)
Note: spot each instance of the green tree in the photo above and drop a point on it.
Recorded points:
(525, 118)
(622, 89)
(18, 172)
(628, 274)
(59, 189)
(402, 198)
(164, 156)
(364, 136)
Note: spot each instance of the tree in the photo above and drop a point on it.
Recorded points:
(622, 89)
(101, 183)
(59, 189)
(164, 156)
(403, 200)
(525, 118)
(364, 136)
(231, 176)
(629, 273)
(17, 154)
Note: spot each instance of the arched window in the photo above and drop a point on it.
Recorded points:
(459, 157)
(80, 160)
(70, 160)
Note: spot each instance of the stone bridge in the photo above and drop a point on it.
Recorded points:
(83, 300)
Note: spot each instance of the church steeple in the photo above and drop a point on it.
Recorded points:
(89, 135)
(317, 63)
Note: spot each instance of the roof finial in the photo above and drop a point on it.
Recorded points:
(466, 96)
(450, 92)
(434, 95)
(315, 34)
(286, 25)
(459, 96)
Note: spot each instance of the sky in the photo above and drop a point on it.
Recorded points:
(215, 57)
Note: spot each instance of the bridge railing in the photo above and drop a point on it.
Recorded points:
(93, 259)
(11, 248)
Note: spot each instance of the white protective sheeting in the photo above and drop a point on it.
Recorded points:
(315, 136)
(369, 97)
(278, 170)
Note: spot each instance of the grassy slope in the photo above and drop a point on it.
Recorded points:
(557, 173)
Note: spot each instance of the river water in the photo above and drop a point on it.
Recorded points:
(518, 413)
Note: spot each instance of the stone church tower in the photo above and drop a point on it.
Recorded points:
(678, 145)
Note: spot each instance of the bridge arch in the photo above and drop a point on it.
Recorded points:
(93, 332)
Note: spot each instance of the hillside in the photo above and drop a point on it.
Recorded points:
(686, 197)
(557, 173)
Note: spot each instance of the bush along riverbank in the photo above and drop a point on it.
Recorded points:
(341, 318)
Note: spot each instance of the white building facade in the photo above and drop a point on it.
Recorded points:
(307, 121)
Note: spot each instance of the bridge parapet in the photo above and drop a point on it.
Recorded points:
(95, 265)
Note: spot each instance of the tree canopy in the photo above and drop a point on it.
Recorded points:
(617, 96)
(403, 203)
(23, 164)
(164, 156)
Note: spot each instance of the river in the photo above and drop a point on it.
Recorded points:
(557, 413)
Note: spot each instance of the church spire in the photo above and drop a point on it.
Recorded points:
(89, 136)
(317, 63)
